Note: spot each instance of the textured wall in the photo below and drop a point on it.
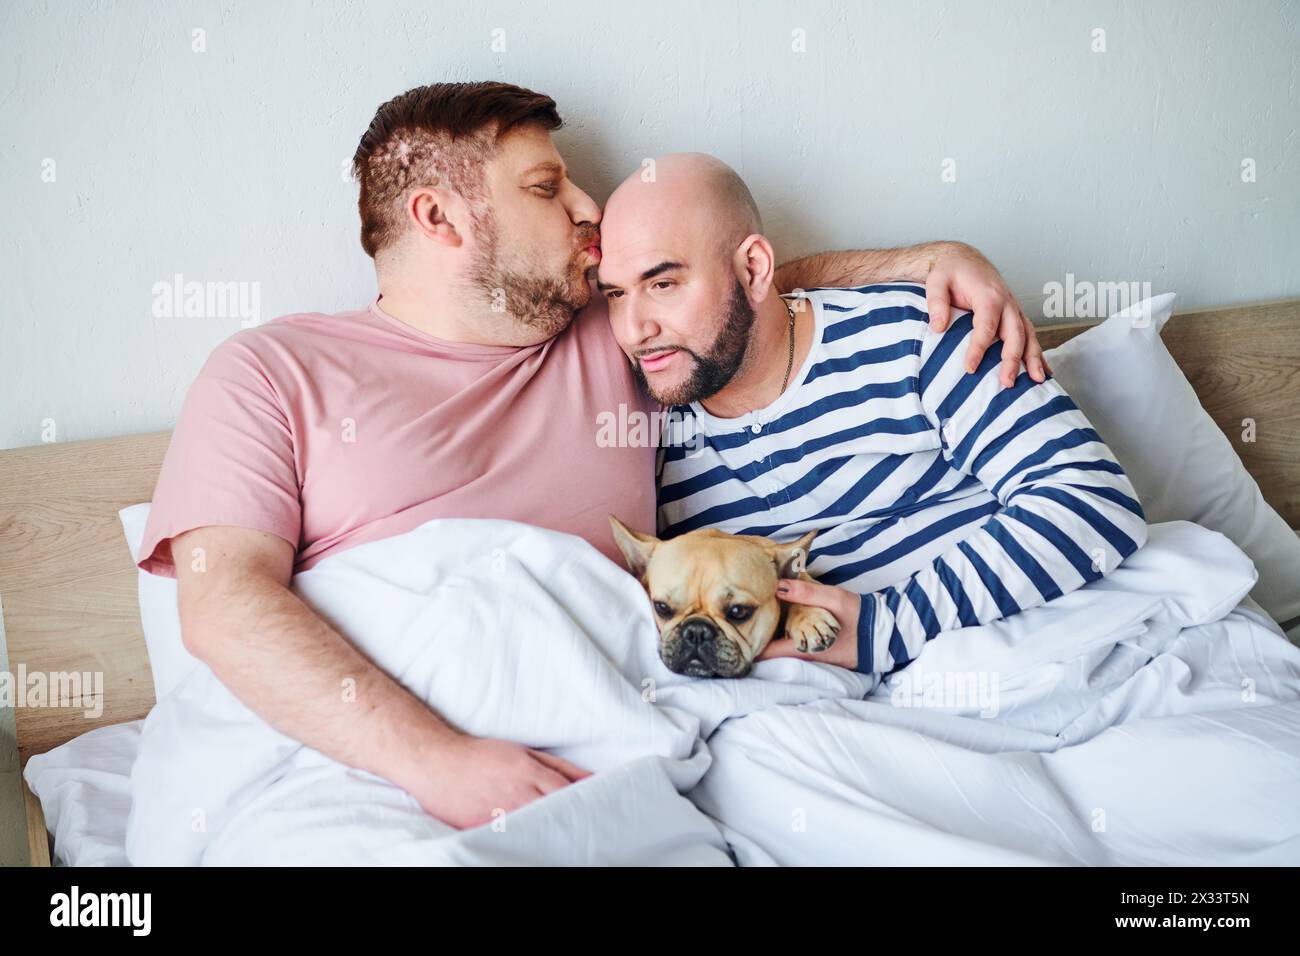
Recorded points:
(225, 165)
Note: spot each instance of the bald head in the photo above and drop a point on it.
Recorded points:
(691, 193)
(685, 269)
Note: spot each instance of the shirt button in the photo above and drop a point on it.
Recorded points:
(756, 428)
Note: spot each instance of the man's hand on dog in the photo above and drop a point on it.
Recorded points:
(841, 603)
(962, 277)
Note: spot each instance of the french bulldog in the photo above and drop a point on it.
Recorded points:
(714, 597)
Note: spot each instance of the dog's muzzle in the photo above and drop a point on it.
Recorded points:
(698, 649)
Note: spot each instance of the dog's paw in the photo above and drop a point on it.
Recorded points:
(813, 629)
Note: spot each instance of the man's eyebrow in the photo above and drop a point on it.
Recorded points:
(648, 274)
(549, 166)
(660, 269)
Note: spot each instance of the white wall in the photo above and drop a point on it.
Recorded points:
(225, 165)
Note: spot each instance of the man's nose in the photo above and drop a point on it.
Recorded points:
(637, 324)
(583, 210)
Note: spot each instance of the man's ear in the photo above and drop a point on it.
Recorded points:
(755, 266)
(636, 547)
(791, 558)
(434, 212)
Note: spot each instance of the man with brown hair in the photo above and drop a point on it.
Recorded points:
(468, 388)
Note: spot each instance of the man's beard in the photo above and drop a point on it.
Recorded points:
(715, 370)
(544, 304)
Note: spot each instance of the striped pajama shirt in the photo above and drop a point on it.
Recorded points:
(942, 499)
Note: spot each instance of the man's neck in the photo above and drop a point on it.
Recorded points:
(758, 382)
(444, 310)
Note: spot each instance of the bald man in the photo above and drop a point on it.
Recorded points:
(947, 490)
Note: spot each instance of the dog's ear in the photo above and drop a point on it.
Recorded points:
(791, 558)
(636, 547)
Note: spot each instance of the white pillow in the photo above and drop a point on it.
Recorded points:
(169, 661)
(1181, 464)
(84, 787)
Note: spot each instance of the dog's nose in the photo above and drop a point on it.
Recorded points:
(697, 632)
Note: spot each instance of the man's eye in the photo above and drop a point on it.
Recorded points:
(550, 189)
(613, 294)
(663, 610)
(739, 612)
(663, 284)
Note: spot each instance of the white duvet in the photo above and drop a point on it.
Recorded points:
(1144, 719)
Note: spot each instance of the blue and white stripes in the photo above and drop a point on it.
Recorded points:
(943, 499)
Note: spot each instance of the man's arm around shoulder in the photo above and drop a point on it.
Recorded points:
(954, 274)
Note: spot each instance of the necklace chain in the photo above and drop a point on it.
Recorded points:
(789, 365)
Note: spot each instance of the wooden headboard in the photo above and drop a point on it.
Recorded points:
(68, 585)
(68, 581)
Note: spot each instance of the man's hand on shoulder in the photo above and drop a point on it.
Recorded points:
(954, 274)
(960, 276)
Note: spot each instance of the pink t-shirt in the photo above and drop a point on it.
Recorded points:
(335, 430)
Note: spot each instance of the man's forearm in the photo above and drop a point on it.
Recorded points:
(309, 682)
(863, 266)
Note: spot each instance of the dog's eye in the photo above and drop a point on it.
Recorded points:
(739, 612)
(663, 610)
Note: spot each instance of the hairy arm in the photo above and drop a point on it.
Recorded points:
(287, 665)
(852, 267)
